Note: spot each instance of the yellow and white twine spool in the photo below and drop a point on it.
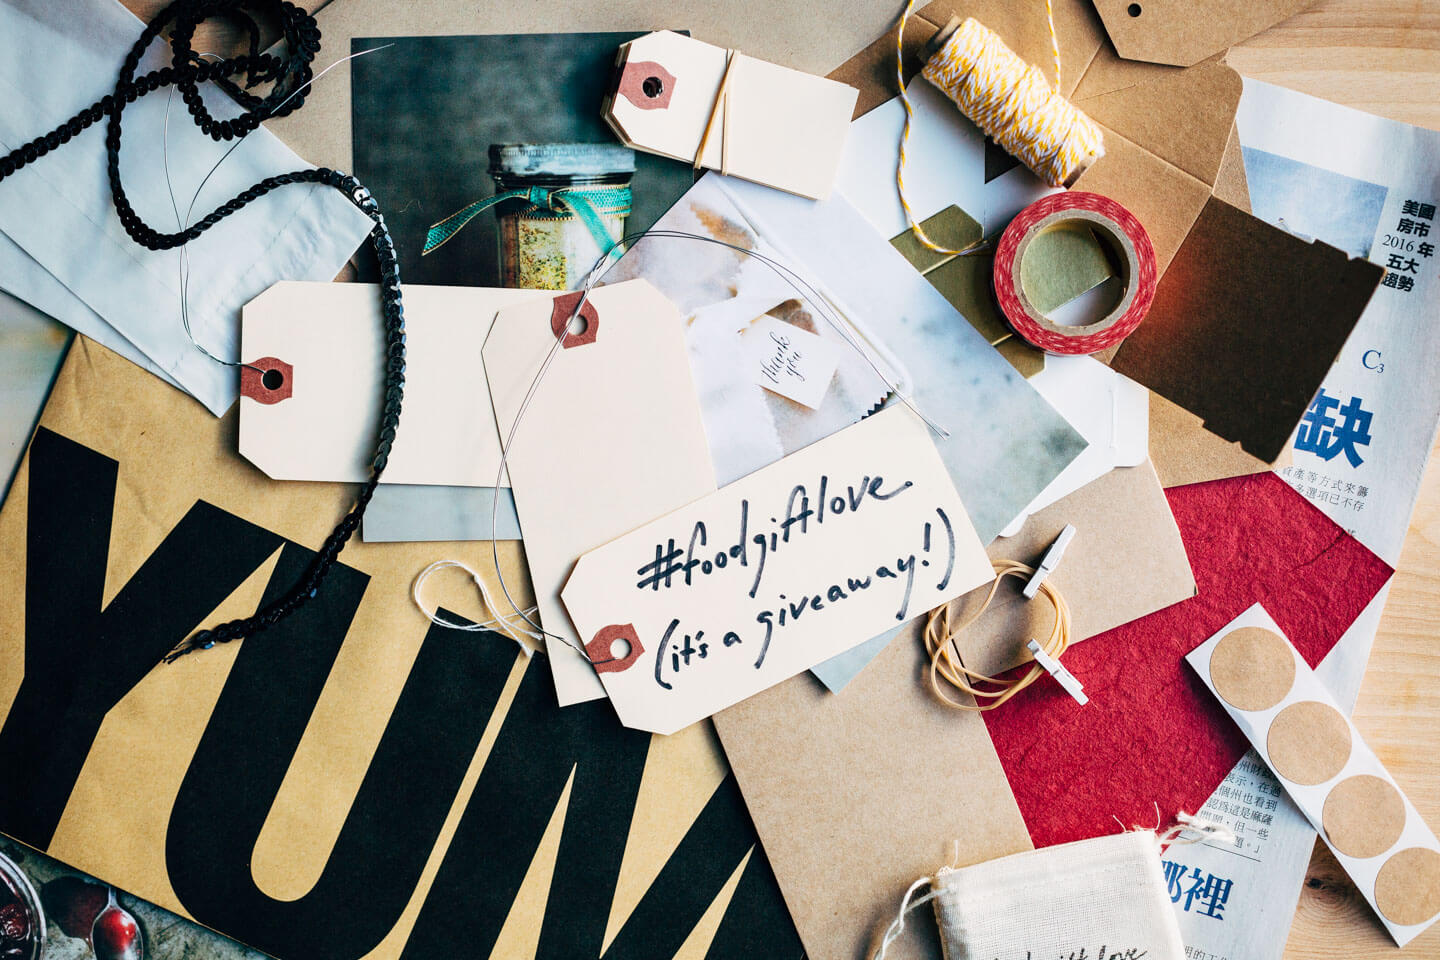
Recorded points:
(1007, 98)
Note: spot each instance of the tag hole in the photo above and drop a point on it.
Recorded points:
(578, 326)
(272, 379)
(619, 648)
(653, 87)
(1133, 9)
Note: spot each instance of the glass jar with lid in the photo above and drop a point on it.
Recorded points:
(22, 921)
(560, 207)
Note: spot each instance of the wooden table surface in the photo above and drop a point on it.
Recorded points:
(1382, 56)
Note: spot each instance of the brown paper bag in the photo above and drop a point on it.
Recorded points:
(354, 782)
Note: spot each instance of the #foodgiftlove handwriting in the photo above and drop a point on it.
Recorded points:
(798, 515)
(774, 573)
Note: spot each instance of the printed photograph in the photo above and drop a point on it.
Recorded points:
(500, 139)
(887, 326)
(1314, 202)
(49, 911)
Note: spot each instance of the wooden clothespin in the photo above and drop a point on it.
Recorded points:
(1057, 670)
(1049, 562)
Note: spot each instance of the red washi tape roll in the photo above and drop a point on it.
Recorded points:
(1115, 226)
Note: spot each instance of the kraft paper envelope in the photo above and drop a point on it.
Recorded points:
(1126, 561)
(1166, 174)
(774, 573)
(610, 438)
(321, 424)
(354, 783)
(683, 98)
(856, 795)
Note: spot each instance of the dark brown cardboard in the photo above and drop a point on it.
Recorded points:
(1245, 326)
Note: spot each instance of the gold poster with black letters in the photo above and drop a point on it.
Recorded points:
(354, 782)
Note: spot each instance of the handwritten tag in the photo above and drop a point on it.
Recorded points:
(611, 438)
(791, 361)
(774, 573)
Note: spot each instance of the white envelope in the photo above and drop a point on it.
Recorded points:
(56, 58)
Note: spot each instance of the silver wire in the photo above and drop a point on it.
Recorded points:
(190, 211)
(796, 282)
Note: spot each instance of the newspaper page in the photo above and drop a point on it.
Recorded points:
(1370, 187)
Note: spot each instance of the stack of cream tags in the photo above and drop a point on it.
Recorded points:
(682, 98)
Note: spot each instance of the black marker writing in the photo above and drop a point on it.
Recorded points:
(790, 608)
(950, 537)
(784, 359)
(671, 561)
(660, 654)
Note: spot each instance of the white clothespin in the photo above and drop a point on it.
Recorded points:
(1050, 561)
(1057, 670)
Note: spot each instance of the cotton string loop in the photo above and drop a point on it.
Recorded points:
(499, 623)
(897, 926)
(1189, 829)
(1007, 98)
(945, 656)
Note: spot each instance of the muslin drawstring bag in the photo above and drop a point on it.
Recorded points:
(1099, 899)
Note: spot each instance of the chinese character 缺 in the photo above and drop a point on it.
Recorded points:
(1321, 434)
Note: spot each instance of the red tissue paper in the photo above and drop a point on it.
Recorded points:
(1152, 733)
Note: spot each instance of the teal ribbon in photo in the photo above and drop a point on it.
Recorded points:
(587, 204)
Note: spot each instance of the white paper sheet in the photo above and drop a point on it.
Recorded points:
(946, 166)
(1111, 411)
(31, 348)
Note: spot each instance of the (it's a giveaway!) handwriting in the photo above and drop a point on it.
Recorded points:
(674, 567)
(782, 569)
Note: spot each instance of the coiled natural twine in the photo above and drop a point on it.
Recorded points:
(1013, 102)
(1007, 98)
